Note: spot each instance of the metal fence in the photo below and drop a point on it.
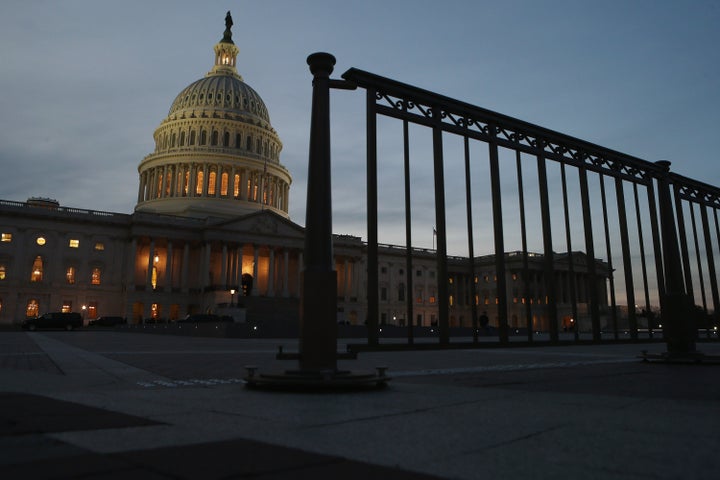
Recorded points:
(655, 234)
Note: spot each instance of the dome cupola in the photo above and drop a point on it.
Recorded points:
(216, 153)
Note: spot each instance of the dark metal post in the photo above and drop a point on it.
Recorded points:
(441, 252)
(372, 222)
(499, 237)
(318, 323)
(678, 324)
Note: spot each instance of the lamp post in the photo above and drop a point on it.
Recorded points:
(83, 308)
(232, 293)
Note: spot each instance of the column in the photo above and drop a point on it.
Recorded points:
(132, 256)
(206, 181)
(271, 274)
(346, 280)
(286, 273)
(243, 184)
(169, 267)
(223, 267)
(185, 266)
(218, 177)
(256, 280)
(148, 276)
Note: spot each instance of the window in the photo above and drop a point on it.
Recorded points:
(32, 308)
(238, 140)
(99, 246)
(74, 243)
(226, 139)
(66, 306)
(224, 184)
(383, 293)
(92, 310)
(40, 241)
(431, 299)
(199, 185)
(2, 272)
(211, 183)
(418, 273)
(203, 137)
(248, 143)
(95, 277)
(214, 138)
(70, 275)
(192, 137)
(153, 278)
(7, 237)
(36, 274)
(401, 292)
(236, 188)
(383, 269)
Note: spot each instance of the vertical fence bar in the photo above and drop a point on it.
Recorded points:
(643, 264)
(657, 247)
(501, 284)
(471, 241)
(549, 255)
(711, 263)
(627, 260)
(698, 259)
(684, 250)
(523, 235)
(372, 221)
(608, 248)
(409, 296)
(441, 252)
(571, 262)
(590, 251)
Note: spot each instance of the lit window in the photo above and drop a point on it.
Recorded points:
(224, 184)
(32, 308)
(450, 280)
(236, 190)
(2, 272)
(211, 183)
(40, 241)
(92, 310)
(37, 270)
(74, 243)
(199, 183)
(452, 300)
(70, 275)
(431, 300)
(7, 237)
(153, 279)
(99, 246)
(95, 277)
(66, 306)
(514, 276)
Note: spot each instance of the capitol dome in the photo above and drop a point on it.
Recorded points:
(216, 153)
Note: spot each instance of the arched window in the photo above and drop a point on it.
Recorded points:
(224, 184)
(172, 140)
(192, 137)
(168, 181)
(95, 277)
(212, 180)
(258, 146)
(70, 275)
(238, 140)
(215, 137)
(37, 270)
(236, 192)
(248, 143)
(226, 139)
(203, 137)
(153, 278)
(182, 139)
(158, 192)
(199, 184)
(32, 308)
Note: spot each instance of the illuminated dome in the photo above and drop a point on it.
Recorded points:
(216, 153)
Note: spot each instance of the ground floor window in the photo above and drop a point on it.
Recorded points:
(32, 308)
(66, 306)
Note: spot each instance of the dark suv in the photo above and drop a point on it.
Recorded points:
(68, 321)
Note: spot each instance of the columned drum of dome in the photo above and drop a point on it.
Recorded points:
(216, 153)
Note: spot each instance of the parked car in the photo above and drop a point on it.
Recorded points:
(66, 320)
(108, 321)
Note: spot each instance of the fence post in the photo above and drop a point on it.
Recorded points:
(677, 316)
(318, 323)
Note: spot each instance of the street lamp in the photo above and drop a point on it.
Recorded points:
(83, 308)
(232, 293)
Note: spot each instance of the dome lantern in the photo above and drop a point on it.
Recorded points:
(226, 52)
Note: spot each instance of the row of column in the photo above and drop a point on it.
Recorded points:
(194, 179)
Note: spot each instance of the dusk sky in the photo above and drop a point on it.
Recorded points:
(86, 82)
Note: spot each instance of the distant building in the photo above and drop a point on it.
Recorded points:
(211, 233)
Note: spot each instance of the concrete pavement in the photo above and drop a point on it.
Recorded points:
(104, 404)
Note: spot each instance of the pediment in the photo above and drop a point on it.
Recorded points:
(262, 223)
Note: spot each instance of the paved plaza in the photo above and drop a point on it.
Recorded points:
(109, 404)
